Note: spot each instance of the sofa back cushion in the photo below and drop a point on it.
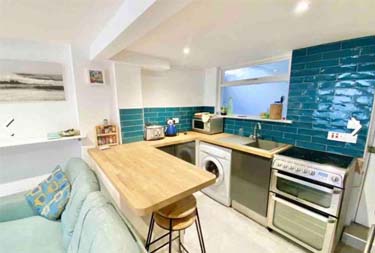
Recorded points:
(74, 167)
(83, 181)
(100, 229)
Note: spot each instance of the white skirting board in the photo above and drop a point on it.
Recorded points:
(20, 185)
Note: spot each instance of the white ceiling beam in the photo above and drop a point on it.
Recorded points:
(133, 20)
(143, 61)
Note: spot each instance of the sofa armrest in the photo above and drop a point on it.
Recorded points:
(14, 207)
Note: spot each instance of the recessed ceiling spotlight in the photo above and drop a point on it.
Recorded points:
(302, 6)
(186, 50)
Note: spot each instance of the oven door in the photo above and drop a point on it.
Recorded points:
(307, 228)
(320, 197)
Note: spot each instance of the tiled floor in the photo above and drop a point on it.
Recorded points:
(227, 231)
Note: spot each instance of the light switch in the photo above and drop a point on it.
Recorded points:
(176, 120)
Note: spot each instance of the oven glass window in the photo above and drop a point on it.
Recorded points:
(300, 225)
(304, 192)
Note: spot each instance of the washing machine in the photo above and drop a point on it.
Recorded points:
(217, 160)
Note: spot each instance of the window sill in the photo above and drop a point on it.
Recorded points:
(257, 118)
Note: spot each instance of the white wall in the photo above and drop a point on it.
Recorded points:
(210, 87)
(175, 87)
(36, 119)
(128, 86)
(94, 103)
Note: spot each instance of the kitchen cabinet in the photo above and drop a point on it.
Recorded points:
(171, 149)
(250, 181)
(184, 151)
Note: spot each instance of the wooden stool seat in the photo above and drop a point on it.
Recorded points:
(180, 209)
(177, 224)
(174, 218)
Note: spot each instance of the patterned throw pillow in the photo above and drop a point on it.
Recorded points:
(41, 195)
(56, 206)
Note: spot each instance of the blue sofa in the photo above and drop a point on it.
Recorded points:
(89, 223)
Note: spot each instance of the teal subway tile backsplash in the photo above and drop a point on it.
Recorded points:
(160, 115)
(131, 124)
(133, 120)
(329, 83)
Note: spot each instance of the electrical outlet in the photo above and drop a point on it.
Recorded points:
(342, 137)
(176, 120)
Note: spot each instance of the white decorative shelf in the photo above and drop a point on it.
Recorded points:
(14, 141)
(257, 118)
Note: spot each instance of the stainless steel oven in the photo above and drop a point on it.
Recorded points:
(308, 197)
(322, 197)
(312, 230)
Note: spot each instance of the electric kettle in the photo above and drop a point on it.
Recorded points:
(171, 129)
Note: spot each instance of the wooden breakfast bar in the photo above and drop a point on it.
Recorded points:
(153, 183)
(149, 179)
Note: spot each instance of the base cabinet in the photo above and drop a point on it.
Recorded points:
(184, 151)
(250, 181)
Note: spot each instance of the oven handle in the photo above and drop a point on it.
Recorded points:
(305, 211)
(317, 187)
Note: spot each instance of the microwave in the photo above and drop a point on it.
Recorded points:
(213, 126)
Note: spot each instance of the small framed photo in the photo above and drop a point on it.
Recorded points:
(96, 77)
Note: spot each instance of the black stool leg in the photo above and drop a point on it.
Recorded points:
(179, 241)
(150, 229)
(199, 232)
(170, 235)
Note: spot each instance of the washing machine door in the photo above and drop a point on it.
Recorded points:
(213, 166)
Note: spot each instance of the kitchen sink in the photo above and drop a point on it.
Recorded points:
(246, 141)
(264, 144)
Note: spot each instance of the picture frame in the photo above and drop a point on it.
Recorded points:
(95, 77)
(29, 81)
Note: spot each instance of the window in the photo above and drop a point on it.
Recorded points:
(260, 71)
(252, 89)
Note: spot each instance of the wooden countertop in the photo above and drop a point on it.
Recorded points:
(216, 139)
(149, 179)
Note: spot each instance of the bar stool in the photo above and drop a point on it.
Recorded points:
(176, 217)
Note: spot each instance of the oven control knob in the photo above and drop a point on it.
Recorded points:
(298, 169)
(335, 179)
(312, 173)
(285, 166)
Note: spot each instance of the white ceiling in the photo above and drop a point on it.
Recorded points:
(227, 32)
(54, 20)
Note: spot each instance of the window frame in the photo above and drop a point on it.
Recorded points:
(260, 80)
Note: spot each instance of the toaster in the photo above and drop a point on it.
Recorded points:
(154, 132)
